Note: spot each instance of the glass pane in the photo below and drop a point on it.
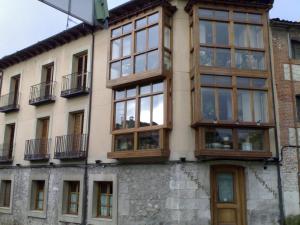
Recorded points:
(223, 58)
(206, 56)
(206, 34)
(153, 60)
(131, 92)
(261, 106)
(240, 35)
(244, 106)
(140, 63)
(126, 45)
(124, 142)
(208, 103)
(115, 70)
(130, 114)
(40, 205)
(140, 41)
(73, 208)
(167, 37)
(225, 104)
(258, 61)
(206, 13)
(222, 34)
(243, 82)
(103, 199)
(116, 49)
(119, 95)
(116, 32)
(225, 187)
(126, 67)
(158, 87)
(258, 83)
(254, 18)
(127, 28)
(119, 115)
(240, 16)
(145, 90)
(158, 110)
(223, 15)
(153, 18)
(251, 140)
(167, 61)
(207, 80)
(250, 60)
(141, 23)
(153, 37)
(218, 139)
(148, 140)
(223, 81)
(145, 112)
(256, 37)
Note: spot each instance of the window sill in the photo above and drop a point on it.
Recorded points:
(69, 218)
(135, 78)
(233, 124)
(230, 154)
(101, 221)
(37, 214)
(6, 210)
(155, 154)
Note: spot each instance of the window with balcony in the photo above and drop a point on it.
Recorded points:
(140, 118)
(45, 91)
(140, 48)
(10, 102)
(295, 45)
(242, 49)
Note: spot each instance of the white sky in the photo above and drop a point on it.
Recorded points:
(25, 22)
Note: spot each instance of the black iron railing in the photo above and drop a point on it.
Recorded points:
(75, 84)
(9, 102)
(42, 93)
(37, 149)
(71, 146)
(6, 151)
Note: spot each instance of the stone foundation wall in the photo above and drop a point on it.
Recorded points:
(153, 194)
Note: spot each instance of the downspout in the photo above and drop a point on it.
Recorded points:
(277, 138)
(292, 86)
(86, 186)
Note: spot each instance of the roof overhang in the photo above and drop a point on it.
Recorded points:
(276, 22)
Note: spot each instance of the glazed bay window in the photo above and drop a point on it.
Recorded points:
(140, 48)
(235, 140)
(229, 39)
(140, 118)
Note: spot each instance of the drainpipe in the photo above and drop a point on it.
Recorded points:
(85, 185)
(277, 138)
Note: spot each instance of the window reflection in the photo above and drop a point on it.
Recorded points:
(223, 58)
(145, 112)
(249, 60)
(153, 37)
(222, 34)
(251, 140)
(124, 142)
(148, 140)
(218, 139)
(225, 104)
(208, 103)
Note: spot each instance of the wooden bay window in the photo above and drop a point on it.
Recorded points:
(231, 91)
(140, 120)
(140, 48)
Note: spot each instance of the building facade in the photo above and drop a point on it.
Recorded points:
(165, 118)
(286, 37)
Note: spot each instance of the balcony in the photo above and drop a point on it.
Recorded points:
(37, 150)
(42, 93)
(75, 84)
(71, 147)
(9, 102)
(6, 151)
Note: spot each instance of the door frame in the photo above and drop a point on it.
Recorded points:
(241, 182)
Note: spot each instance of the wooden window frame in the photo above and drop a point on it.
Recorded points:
(36, 194)
(157, 74)
(293, 49)
(7, 187)
(235, 152)
(69, 201)
(163, 150)
(108, 195)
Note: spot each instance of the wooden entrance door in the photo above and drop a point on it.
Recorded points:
(81, 69)
(228, 195)
(77, 130)
(44, 135)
